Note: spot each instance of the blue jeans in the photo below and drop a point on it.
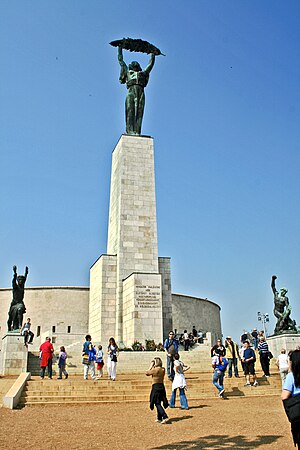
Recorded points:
(255, 343)
(182, 398)
(217, 379)
(233, 361)
(170, 367)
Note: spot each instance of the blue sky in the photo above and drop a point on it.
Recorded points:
(223, 108)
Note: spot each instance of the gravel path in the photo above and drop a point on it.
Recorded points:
(236, 423)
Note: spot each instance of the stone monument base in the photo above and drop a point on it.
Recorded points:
(287, 341)
(14, 355)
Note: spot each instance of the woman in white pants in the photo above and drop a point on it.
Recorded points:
(113, 353)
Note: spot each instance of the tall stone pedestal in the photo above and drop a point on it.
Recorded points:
(130, 287)
(287, 341)
(14, 355)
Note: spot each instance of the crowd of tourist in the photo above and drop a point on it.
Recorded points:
(189, 339)
(251, 346)
(225, 358)
(92, 359)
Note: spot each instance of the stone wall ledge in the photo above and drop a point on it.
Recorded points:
(12, 398)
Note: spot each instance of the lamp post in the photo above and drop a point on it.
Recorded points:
(263, 317)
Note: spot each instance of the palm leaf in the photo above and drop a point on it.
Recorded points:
(136, 45)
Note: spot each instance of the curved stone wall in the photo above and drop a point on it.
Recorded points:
(204, 314)
(63, 313)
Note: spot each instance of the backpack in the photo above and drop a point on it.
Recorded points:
(223, 363)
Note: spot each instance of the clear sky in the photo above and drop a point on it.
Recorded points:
(223, 108)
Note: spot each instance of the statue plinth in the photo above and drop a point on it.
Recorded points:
(286, 340)
(14, 354)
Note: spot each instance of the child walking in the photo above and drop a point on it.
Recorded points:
(179, 383)
(62, 357)
(99, 362)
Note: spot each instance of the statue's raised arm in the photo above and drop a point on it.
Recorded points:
(15, 275)
(124, 68)
(273, 285)
(151, 64)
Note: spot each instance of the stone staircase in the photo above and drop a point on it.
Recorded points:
(135, 388)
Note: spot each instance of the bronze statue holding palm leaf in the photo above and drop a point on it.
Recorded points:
(136, 80)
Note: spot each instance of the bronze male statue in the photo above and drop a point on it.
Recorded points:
(282, 310)
(17, 306)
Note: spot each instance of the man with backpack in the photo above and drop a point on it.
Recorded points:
(219, 364)
(171, 348)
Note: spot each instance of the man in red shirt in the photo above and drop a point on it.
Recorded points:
(46, 354)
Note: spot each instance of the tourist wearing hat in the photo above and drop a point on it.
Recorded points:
(232, 354)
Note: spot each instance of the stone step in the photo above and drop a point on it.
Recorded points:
(46, 400)
(102, 387)
(111, 394)
(77, 383)
(133, 388)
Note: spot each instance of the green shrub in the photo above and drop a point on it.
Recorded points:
(150, 345)
(137, 346)
(160, 347)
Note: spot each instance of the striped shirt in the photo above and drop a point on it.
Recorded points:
(263, 347)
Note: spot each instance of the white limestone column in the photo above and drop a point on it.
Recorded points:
(132, 230)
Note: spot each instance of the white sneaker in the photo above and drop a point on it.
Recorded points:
(255, 383)
(221, 393)
(165, 420)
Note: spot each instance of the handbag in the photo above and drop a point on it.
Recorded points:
(85, 359)
(292, 408)
(113, 358)
(270, 355)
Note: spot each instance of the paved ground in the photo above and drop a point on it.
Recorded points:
(5, 384)
(236, 423)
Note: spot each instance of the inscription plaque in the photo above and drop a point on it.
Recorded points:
(147, 296)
